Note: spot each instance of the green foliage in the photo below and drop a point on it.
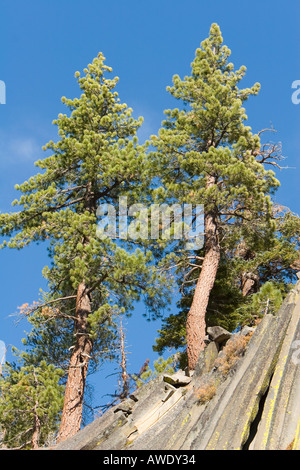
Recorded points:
(160, 366)
(277, 262)
(208, 137)
(266, 301)
(205, 154)
(224, 300)
(31, 400)
(50, 336)
(227, 306)
(96, 160)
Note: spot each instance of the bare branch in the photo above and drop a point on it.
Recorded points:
(266, 130)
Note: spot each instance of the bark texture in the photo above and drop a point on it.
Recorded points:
(250, 283)
(72, 410)
(196, 324)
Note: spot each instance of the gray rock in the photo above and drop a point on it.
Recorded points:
(247, 330)
(178, 379)
(206, 359)
(126, 407)
(218, 334)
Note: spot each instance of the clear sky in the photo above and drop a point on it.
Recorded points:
(43, 43)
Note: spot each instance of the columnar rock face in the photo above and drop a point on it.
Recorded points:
(244, 396)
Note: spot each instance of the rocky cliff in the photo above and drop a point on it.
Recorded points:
(243, 394)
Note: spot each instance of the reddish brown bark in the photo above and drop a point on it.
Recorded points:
(78, 367)
(196, 324)
(249, 280)
(250, 283)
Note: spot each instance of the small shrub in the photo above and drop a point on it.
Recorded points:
(231, 353)
(206, 392)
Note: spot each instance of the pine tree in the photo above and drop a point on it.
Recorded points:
(31, 399)
(266, 301)
(205, 154)
(93, 277)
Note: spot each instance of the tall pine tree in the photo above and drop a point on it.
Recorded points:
(92, 278)
(205, 154)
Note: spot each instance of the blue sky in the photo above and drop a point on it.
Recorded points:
(42, 44)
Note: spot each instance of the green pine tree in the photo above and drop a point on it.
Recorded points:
(205, 154)
(31, 400)
(93, 278)
(267, 300)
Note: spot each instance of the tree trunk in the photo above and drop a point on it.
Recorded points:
(124, 385)
(195, 326)
(250, 283)
(72, 410)
(35, 439)
(249, 280)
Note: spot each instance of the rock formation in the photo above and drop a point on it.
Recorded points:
(243, 394)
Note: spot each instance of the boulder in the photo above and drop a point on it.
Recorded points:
(206, 359)
(218, 334)
(179, 379)
(247, 330)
